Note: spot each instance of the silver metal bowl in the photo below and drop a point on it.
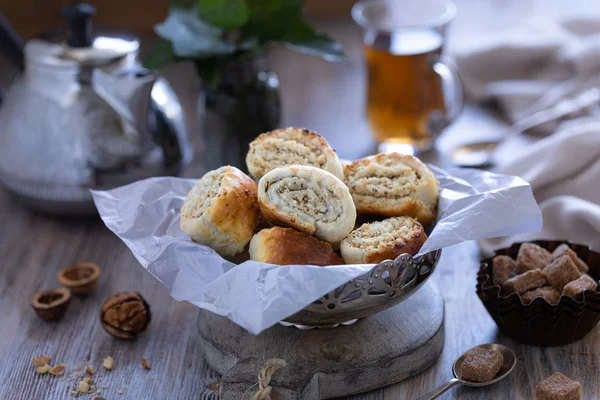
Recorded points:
(384, 286)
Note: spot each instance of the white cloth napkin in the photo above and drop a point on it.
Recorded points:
(564, 173)
(533, 66)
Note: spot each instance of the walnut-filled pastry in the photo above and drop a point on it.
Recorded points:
(308, 199)
(393, 185)
(377, 241)
(291, 146)
(221, 211)
(286, 246)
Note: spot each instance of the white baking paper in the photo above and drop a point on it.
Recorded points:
(473, 205)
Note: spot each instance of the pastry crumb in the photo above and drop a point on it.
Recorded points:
(108, 363)
(145, 363)
(87, 379)
(89, 370)
(120, 392)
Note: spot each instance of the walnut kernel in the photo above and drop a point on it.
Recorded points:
(41, 360)
(108, 363)
(83, 387)
(58, 370)
(44, 369)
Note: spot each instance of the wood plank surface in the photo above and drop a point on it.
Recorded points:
(327, 98)
(327, 363)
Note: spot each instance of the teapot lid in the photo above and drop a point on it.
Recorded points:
(79, 44)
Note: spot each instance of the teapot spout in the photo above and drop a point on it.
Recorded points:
(128, 93)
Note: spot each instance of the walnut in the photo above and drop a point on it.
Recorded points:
(125, 315)
(108, 363)
(41, 360)
(58, 370)
(89, 370)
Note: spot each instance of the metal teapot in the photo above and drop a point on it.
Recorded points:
(85, 115)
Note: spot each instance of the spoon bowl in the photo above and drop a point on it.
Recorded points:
(474, 155)
(510, 360)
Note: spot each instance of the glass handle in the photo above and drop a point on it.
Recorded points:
(451, 85)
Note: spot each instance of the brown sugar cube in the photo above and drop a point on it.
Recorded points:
(481, 365)
(564, 249)
(584, 282)
(531, 256)
(548, 293)
(561, 271)
(524, 282)
(503, 268)
(558, 387)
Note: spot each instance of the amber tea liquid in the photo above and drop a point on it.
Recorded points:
(404, 92)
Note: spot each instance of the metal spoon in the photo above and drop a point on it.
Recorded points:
(510, 360)
(479, 154)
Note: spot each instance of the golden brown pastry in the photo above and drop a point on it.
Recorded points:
(393, 185)
(383, 240)
(291, 146)
(221, 211)
(308, 199)
(286, 246)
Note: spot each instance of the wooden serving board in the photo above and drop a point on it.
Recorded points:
(323, 363)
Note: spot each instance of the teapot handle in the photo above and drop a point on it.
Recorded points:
(12, 46)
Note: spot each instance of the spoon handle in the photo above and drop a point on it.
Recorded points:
(437, 392)
(583, 100)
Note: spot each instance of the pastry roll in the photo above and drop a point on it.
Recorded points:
(375, 242)
(291, 146)
(221, 211)
(286, 246)
(393, 185)
(308, 199)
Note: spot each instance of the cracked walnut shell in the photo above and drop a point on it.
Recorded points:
(80, 278)
(51, 304)
(125, 315)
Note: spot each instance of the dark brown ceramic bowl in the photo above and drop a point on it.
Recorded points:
(540, 323)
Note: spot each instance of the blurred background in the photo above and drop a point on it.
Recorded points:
(509, 54)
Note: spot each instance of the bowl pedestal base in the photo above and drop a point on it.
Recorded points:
(377, 351)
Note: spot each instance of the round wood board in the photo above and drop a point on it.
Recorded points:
(323, 363)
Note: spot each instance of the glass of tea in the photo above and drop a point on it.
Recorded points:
(413, 92)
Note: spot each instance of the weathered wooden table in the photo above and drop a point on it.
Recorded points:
(325, 97)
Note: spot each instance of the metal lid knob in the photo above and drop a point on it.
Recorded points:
(79, 24)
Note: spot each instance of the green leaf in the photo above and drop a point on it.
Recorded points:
(225, 14)
(162, 54)
(191, 37)
(268, 19)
